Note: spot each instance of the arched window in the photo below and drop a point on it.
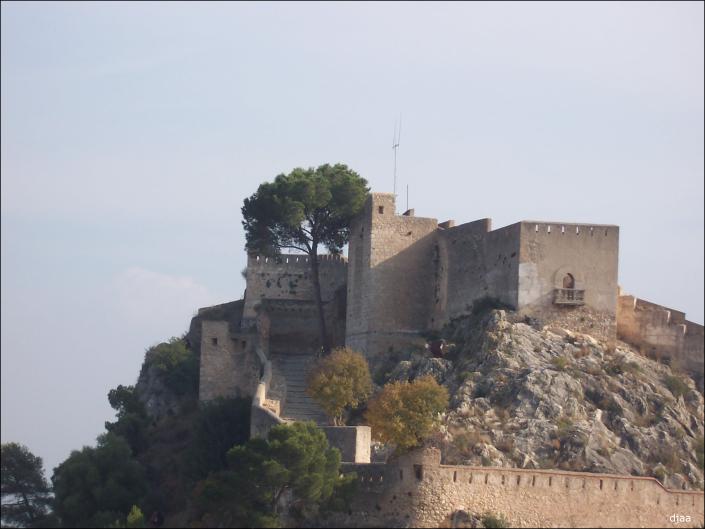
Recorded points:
(568, 281)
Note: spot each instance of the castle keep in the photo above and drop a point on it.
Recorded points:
(408, 274)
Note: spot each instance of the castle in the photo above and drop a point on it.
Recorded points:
(406, 276)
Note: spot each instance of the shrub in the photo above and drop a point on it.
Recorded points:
(494, 521)
(676, 385)
(669, 459)
(340, 381)
(659, 473)
(560, 362)
(405, 413)
(135, 518)
(619, 366)
(178, 365)
(564, 424)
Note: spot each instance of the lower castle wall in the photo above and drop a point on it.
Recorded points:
(417, 491)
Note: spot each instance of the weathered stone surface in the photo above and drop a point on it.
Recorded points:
(560, 399)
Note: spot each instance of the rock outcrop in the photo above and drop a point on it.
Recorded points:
(535, 397)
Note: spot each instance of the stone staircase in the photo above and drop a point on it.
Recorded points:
(289, 372)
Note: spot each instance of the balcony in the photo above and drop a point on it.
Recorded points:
(569, 296)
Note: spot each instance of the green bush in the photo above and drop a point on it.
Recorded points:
(659, 474)
(619, 366)
(177, 364)
(559, 362)
(676, 385)
(494, 521)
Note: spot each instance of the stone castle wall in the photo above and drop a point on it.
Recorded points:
(229, 366)
(588, 252)
(390, 277)
(408, 274)
(288, 277)
(471, 263)
(662, 333)
(417, 491)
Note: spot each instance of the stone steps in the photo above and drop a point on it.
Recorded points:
(289, 375)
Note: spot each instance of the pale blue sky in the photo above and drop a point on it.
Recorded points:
(132, 132)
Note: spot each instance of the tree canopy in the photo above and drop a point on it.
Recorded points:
(301, 211)
(304, 209)
(405, 413)
(294, 464)
(25, 490)
(132, 421)
(97, 486)
(339, 382)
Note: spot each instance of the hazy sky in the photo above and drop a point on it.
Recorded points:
(132, 132)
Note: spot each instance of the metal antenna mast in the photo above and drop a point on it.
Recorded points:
(395, 147)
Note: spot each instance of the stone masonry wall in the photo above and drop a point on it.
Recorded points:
(473, 263)
(416, 491)
(661, 332)
(391, 275)
(550, 251)
(229, 366)
(352, 441)
(288, 277)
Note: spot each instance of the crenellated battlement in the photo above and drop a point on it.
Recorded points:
(295, 260)
(565, 228)
(415, 490)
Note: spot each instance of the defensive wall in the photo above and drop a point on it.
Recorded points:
(662, 333)
(410, 274)
(288, 277)
(587, 255)
(474, 262)
(417, 491)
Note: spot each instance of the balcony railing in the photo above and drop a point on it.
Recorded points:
(569, 296)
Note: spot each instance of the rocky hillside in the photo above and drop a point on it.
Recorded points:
(533, 397)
